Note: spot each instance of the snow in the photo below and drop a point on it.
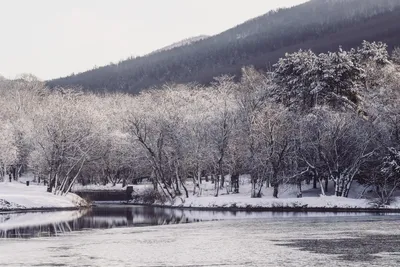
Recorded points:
(287, 198)
(19, 196)
(242, 202)
(15, 220)
(111, 187)
(312, 198)
(233, 201)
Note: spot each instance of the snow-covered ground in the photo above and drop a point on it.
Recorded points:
(241, 202)
(111, 187)
(359, 197)
(312, 198)
(17, 195)
(29, 219)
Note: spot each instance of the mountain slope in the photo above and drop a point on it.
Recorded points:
(187, 41)
(320, 25)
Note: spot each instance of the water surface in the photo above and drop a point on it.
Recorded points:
(41, 224)
(111, 236)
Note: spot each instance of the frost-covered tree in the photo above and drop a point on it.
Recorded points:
(64, 138)
(345, 146)
(295, 74)
(115, 159)
(375, 51)
(195, 157)
(390, 180)
(224, 121)
(150, 126)
(308, 80)
(274, 134)
(374, 59)
(309, 147)
(18, 100)
(8, 149)
(396, 55)
(338, 78)
(252, 96)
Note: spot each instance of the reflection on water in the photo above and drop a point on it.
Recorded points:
(41, 224)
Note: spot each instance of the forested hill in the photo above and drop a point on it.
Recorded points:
(320, 25)
(184, 42)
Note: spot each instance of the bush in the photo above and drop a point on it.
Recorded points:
(149, 196)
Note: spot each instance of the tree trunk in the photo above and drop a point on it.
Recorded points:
(56, 184)
(5, 173)
(235, 182)
(217, 186)
(347, 188)
(184, 188)
(276, 190)
(222, 180)
(315, 182)
(322, 187)
(177, 190)
(124, 181)
(260, 183)
(300, 191)
(253, 187)
(14, 173)
(326, 185)
(339, 186)
(19, 172)
(51, 184)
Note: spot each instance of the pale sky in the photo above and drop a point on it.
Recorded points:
(53, 38)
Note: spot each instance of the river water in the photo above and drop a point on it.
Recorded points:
(144, 236)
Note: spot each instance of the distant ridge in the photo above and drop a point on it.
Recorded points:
(320, 25)
(184, 42)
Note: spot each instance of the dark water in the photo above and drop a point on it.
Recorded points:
(44, 224)
(361, 247)
(128, 236)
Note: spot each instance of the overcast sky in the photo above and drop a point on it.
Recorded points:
(53, 38)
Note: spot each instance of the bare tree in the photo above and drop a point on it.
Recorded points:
(345, 146)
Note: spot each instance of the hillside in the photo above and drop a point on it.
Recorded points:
(184, 42)
(320, 25)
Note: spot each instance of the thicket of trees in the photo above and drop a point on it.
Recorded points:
(320, 25)
(318, 118)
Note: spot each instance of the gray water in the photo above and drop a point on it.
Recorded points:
(143, 236)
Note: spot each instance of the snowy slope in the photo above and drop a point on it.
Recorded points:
(20, 196)
(10, 221)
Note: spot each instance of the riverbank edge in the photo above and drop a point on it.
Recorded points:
(253, 209)
(44, 209)
(232, 209)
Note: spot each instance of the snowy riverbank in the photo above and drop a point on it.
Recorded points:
(246, 203)
(18, 196)
(359, 199)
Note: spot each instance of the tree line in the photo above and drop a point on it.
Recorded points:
(316, 118)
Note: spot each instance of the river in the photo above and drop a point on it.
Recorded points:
(145, 236)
